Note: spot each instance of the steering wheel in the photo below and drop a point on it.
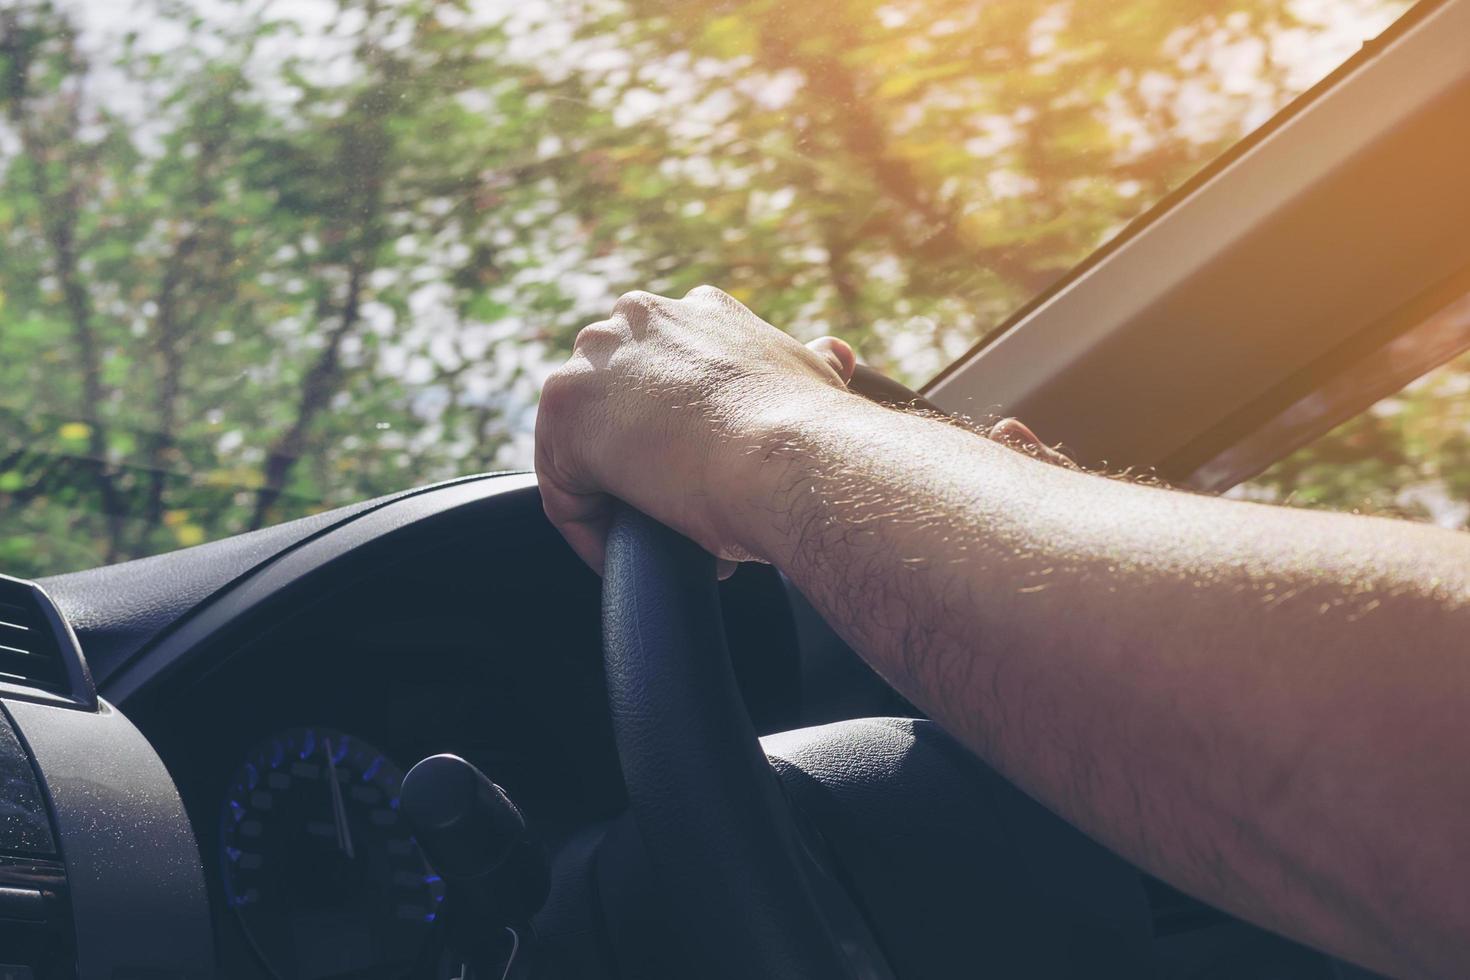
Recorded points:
(755, 898)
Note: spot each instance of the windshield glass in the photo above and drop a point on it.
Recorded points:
(260, 259)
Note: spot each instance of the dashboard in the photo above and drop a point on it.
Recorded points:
(288, 732)
(221, 786)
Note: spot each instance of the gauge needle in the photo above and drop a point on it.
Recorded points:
(339, 812)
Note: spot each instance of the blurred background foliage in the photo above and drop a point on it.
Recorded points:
(1406, 456)
(259, 259)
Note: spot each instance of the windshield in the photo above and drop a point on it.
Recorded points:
(260, 259)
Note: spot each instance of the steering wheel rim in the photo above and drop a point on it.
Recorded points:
(718, 829)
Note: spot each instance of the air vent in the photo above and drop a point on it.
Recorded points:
(37, 650)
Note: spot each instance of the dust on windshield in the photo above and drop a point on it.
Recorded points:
(261, 259)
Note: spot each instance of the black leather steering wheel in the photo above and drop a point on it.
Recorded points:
(756, 898)
(753, 898)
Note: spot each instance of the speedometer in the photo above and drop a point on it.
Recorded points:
(321, 870)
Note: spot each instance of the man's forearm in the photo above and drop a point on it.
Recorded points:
(1265, 707)
(1246, 700)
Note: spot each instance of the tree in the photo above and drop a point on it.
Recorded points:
(1407, 456)
(252, 266)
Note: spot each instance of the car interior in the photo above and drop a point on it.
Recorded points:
(416, 736)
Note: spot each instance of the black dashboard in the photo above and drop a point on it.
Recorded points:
(452, 620)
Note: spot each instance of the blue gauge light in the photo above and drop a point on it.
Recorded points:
(321, 870)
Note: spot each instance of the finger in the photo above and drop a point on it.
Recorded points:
(838, 354)
(1015, 433)
(1018, 435)
(601, 335)
(726, 567)
(638, 308)
(1056, 454)
(582, 518)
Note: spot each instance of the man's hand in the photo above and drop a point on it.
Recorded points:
(657, 400)
(662, 402)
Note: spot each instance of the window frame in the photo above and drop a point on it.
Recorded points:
(1199, 323)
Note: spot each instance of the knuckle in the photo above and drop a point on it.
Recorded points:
(710, 294)
(559, 391)
(595, 335)
(637, 303)
(552, 390)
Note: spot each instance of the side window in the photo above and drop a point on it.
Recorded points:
(1408, 455)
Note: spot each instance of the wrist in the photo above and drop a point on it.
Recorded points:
(782, 444)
